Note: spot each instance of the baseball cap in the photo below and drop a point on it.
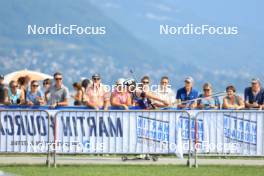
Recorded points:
(120, 81)
(96, 75)
(129, 82)
(255, 80)
(2, 76)
(189, 79)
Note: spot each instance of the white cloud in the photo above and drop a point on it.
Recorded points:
(163, 7)
(167, 8)
(112, 5)
(153, 16)
(72, 46)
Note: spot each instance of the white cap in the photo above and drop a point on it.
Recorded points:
(189, 79)
(120, 81)
(255, 80)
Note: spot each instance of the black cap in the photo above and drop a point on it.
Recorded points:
(129, 82)
(96, 75)
(2, 77)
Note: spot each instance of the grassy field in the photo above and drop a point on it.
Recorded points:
(134, 170)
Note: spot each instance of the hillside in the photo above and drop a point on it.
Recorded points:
(113, 54)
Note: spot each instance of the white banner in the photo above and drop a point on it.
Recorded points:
(229, 132)
(24, 131)
(113, 132)
(119, 132)
(132, 132)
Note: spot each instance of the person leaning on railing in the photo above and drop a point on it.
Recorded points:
(97, 95)
(14, 96)
(254, 95)
(59, 94)
(165, 93)
(120, 97)
(231, 100)
(3, 90)
(142, 98)
(34, 95)
(143, 101)
(187, 95)
(206, 100)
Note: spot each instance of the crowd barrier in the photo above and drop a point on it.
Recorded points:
(25, 131)
(156, 132)
(228, 133)
(118, 132)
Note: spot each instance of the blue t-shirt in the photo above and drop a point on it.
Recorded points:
(33, 97)
(208, 102)
(251, 98)
(182, 94)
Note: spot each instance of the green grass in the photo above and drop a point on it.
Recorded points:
(134, 170)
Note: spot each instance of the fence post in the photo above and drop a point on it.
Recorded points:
(196, 139)
(190, 142)
(48, 153)
(55, 141)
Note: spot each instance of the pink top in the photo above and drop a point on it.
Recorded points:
(97, 95)
(121, 97)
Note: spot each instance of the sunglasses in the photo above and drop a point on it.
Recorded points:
(96, 78)
(35, 85)
(58, 79)
(45, 83)
(206, 90)
(145, 82)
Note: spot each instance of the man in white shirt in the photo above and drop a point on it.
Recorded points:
(165, 93)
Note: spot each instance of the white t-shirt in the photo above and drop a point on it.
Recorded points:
(166, 94)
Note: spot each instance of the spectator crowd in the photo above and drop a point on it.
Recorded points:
(127, 93)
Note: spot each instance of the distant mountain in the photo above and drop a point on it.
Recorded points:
(123, 47)
(144, 18)
(239, 57)
(112, 54)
